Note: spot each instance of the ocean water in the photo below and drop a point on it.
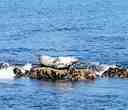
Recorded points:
(93, 31)
(39, 95)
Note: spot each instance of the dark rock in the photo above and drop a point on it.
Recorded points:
(116, 72)
(18, 73)
(48, 73)
(72, 74)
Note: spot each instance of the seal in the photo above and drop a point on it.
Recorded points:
(57, 62)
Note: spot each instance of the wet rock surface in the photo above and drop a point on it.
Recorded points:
(72, 74)
(116, 72)
(48, 73)
(19, 73)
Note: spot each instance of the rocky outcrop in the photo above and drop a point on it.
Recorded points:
(116, 72)
(48, 73)
(72, 74)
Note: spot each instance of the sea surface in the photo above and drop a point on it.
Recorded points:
(93, 31)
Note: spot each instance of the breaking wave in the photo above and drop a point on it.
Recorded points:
(7, 70)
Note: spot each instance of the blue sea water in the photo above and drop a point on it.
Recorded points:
(39, 95)
(93, 30)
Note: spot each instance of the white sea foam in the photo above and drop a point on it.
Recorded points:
(27, 67)
(98, 68)
(103, 68)
(7, 73)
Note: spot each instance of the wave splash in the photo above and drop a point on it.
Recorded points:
(7, 70)
(96, 67)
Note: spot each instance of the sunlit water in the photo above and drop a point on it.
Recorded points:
(94, 31)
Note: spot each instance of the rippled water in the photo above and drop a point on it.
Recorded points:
(94, 30)
(38, 95)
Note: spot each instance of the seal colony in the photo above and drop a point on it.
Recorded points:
(62, 68)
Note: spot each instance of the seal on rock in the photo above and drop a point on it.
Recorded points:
(57, 62)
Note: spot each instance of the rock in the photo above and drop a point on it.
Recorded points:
(20, 73)
(71, 74)
(4, 65)
(116, 72)
(47, 73)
